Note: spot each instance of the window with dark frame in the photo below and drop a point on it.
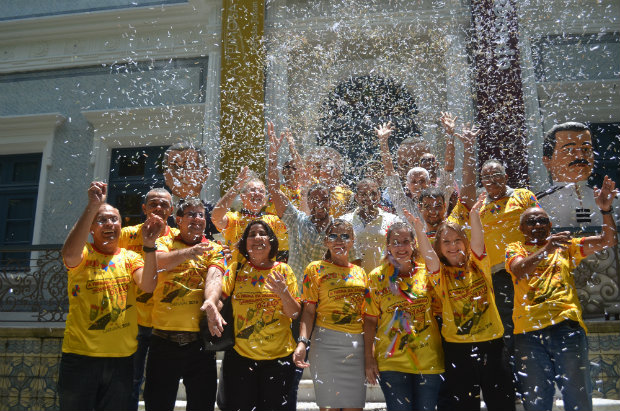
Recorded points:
(19, 188)
(133, 172)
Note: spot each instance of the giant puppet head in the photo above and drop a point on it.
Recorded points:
(568, 153)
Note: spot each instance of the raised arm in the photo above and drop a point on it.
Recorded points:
(302, 173)
(426, 249)
(218, 215)
(609, 237)
(280, 201)
(448, 121)
(468, 190)
(146, 277)
(78, 236)
(477, 233)
(523, 266)
(383, 133)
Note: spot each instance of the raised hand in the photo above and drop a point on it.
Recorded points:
(470, 134)
(478, 204)
(414, 220)
(604, 196)
(97, 193)
(151, 230)
(384, 131)
(274, 142)
(557, 241)
(276, 283)
(242, 177)
(448, 121)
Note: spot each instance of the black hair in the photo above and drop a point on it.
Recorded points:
(319, 186)
(432, 192)
(184, 146)
(337, 223)
(242, 245)
(549, 141)
(190, 202)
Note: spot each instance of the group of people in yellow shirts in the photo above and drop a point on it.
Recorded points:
(426, 323)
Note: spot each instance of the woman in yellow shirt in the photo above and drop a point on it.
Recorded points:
(460, 273)
(258, 371)
(333, 291)
(406, 355)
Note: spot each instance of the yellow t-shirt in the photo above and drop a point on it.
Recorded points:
(500, 221)
(294, 196)
(237, 222)
(338, 293)
(262, 330)
(549, 296)
(408, 338)
(131, 239)
(340, 201)
(179, 293)
(102, 319)
(469, 311)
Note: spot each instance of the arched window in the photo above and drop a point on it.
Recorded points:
(355, 107)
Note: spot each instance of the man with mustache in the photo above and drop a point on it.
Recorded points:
(568, 155)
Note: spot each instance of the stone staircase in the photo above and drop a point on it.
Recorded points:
(374, 397)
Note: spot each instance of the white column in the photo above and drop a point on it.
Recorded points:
(211, 132)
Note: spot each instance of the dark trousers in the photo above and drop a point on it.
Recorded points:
(95, 383)
(168, 362)
(247, 384)
(504, 300)
(471, 367)
(139, 360)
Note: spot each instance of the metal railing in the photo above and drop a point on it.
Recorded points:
(33, 283)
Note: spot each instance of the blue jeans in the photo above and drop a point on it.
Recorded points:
(558, 353)
(404, 391)
(139, 360)
(94, 383)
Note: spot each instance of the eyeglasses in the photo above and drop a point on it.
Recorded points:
(342, 237)
(194, 214)
(290, 168)
(537, 221)
(103, 220)
(492, 177)
(570, 150)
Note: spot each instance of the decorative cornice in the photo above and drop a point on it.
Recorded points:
(180, 30)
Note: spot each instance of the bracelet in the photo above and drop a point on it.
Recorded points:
(610, 211)
(147, 249)
(304, 341)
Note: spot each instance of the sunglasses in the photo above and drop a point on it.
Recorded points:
(334, 237)
(537, 221)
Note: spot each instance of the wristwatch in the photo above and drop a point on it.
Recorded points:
(147, 249)
(304, 340)
(610, 211)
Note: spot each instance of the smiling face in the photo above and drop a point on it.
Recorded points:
(493, 179)
(368, 195)
(254, 196)
(433, 210)
(158, 204)
(185, 175)
(452, 246)
(401, 246)
(289, 172)
(535, 225)
(318, 202)
(416, 182)
(257, 244)
(408, 156)
(339, 240)
(106, 228)
(192, 224)
(573, 157)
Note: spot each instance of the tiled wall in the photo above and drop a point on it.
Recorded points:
(29, 361)
(29, 373)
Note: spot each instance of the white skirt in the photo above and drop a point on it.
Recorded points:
(337, 366)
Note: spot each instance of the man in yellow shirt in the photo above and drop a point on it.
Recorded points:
(96, 368)
(550, 336)
(157, 202)
(187, 283)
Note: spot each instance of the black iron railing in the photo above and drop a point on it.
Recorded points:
(33, 283)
